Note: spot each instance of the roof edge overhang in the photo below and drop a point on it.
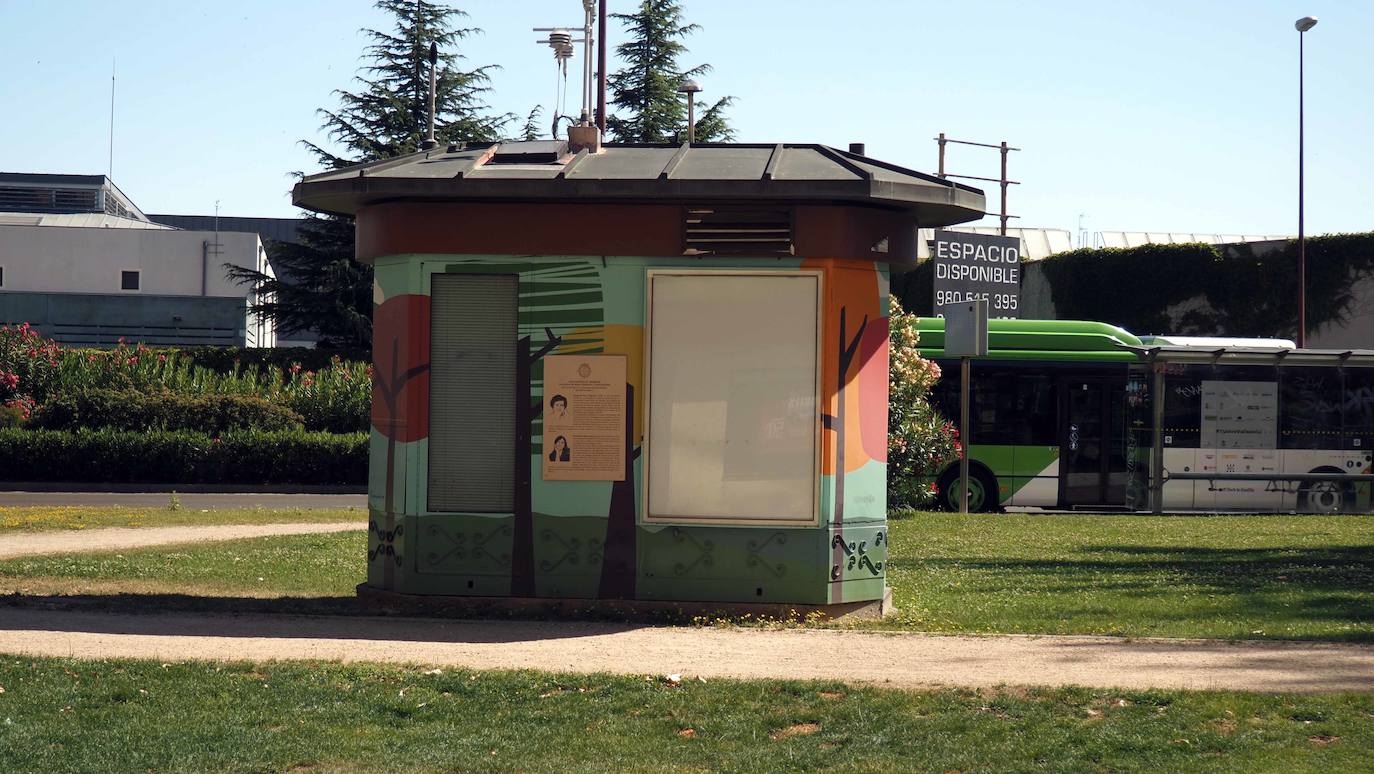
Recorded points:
(933, 202)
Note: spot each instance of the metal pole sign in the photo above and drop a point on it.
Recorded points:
(969, 267)
(966, 337)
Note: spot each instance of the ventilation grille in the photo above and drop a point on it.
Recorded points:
(15, 199)
(731, 231)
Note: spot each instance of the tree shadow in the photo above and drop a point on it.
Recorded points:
(1326, 585)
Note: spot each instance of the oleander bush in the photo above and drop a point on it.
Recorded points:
(920, 442)
(132, 414)
(227, 360)
(163, 410)
(335, 397)
(182, 456)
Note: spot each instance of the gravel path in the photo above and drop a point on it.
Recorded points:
(189, 500)
(896, 660)
(19, 544)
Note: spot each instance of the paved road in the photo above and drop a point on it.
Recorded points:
(895, 660)
(214, 501)
(17, 544)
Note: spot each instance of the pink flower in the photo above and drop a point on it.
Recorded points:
(295, 368)
(161, 358)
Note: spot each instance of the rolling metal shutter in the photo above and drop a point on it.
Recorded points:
(472, 392)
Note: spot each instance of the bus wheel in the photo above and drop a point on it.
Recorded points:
(1325, 496)
(982, 490)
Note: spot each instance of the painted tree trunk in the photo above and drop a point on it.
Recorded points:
(837, 552)
(618, 564)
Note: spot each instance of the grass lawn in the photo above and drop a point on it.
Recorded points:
(63, 715)
(1286, 577)
(330, 564)
(1250, 577)
(35, 519)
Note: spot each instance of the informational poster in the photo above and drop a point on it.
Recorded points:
(974, 266)
(584, 418)
(1240, 415)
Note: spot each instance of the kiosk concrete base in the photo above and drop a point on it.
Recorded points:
(381, 600)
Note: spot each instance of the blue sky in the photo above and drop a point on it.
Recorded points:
(1159, 116)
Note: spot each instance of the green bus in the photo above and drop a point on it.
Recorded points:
(1080, 415)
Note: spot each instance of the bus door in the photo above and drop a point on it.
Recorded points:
(1092, 443)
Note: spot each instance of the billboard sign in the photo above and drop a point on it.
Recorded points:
(969, 267)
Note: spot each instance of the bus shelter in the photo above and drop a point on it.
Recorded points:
(652, 373)
(1085, 415)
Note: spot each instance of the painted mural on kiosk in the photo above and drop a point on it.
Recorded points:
(585, 539)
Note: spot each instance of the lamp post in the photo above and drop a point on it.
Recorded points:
(690, 88)
(1302, 25)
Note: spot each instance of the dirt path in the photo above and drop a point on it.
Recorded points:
(189, 500)
(19, 544)
(897, 660)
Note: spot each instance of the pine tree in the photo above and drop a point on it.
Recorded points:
(531, 130)
(320, 286)
(645, 90)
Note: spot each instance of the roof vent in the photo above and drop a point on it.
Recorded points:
(737, 231)
(857, 148)
(535, 152)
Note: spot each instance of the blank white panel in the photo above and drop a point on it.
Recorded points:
(472, 392)
(732, 397)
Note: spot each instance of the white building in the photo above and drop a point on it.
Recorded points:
(85, 266)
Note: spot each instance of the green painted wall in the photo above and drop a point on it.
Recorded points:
(585, 539)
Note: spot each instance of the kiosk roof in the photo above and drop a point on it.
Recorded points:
(545, 171)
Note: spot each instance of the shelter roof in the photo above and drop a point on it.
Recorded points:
(640, 173)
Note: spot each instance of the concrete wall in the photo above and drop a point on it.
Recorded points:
(46, 259)
(100, 320)
(1357, 330)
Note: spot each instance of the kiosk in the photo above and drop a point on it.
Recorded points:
(650, 373)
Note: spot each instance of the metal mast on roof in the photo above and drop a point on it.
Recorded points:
(1004, 148)
(561, 40)
(110, 172)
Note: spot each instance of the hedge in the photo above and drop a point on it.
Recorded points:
(135, 410)
(224, 359)
(184, 457)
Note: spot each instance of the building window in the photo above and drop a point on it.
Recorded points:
(472, 393)
(128, 280)
(733, 426)
(2, 276)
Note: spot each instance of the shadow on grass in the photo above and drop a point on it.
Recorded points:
(286, 617)
(1319, 585)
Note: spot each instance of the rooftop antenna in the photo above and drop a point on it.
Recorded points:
(561, 40)
(430, 142)
(110, 172)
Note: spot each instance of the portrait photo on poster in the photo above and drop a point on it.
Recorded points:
(584, 417)
(558, 407)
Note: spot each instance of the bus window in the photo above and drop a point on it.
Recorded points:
(1310, 408)
(1358, 401)
(1011, 407)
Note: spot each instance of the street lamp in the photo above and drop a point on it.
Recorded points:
(690, 88)
(1301, 25)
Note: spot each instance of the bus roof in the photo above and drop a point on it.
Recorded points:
(1040, 340)
(1083, 341)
